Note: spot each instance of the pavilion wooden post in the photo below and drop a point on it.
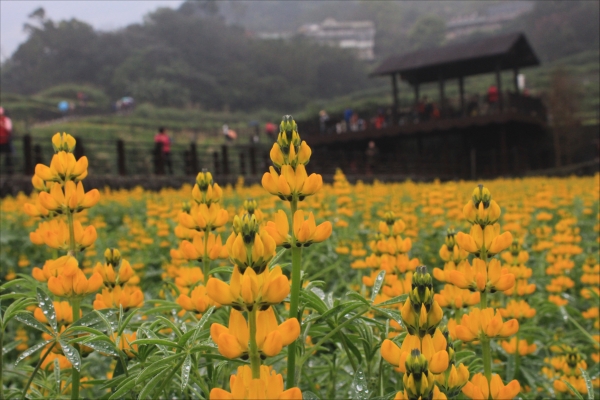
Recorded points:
(395, 98)
(516, 79)
(28, 155)
(121, 157)
(499, 86)
(416, 88)
(442, 96)
(503, 150)
(461, 89)
(224, 160)
(193, 158)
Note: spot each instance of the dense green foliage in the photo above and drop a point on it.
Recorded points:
(178, 57)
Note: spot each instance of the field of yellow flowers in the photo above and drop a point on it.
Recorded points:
(298, 289)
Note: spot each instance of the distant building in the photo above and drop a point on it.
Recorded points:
(358, 36)
(492, 19)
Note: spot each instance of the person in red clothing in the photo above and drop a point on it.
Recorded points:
(492, 98)
(5, 140)
(161, 138)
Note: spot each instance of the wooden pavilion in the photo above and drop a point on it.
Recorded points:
(510, 139)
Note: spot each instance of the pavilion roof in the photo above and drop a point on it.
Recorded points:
(507, 51)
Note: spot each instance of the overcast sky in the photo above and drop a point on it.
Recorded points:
(101, 14)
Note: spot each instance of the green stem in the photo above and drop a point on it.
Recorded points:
(254, 354)
(294, 299)
(1, 363)
(517, 355)
(39, 364)
(71, 234)
(205, 263)
(483, 300)
(75, 374)
(487, 359)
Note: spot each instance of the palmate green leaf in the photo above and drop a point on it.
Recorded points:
(47, 306)
(146, 390)
(103, 347)
(14, 282)
(124, 387)
(94, 318)
(72, 354)
(162, 363)
(32, 350)
(28, 319)
(221, 270)
(163, 342)
(150, 334)
(394, 300)
(356, 296)
(14, 308)
(312, 300)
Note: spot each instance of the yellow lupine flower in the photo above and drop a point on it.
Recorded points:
(249, 290)
(433, 347)
(488, 239)
(523, 348)
(63, 167)
(63, 311)
(204, 218)
(72, 198)
(307, 231)
(268, 387)
(484, 323)
(127, 297)
(198, 300)
(291, 183)
(481, 277)
(480, 388)
(76, 285)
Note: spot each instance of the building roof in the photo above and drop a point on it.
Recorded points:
(506, 51)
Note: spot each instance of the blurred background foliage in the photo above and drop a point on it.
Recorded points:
(205, 57)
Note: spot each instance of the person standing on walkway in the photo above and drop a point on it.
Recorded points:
(163, 139)
(6, 141)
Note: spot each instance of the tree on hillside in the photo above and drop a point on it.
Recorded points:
(428, 31)
(175, 58)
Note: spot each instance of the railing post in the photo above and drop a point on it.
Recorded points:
(79, 149)
(242, 163)
(216, 162)
(28, 155)
(252, 160)
(225, 160)
(37, 154)
(121, 157)
(193, 158)
(159, 162)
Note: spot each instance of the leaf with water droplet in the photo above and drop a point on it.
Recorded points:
(319, 292)
(186, 367)
(103, 347)
(588, 384)
(31, 350)
(202, 322)
(28, 319)
(57, 374)
(93, 318)
(377, 285)
(359, 388)
(72, 355)
(47, 306)
(308, 395)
